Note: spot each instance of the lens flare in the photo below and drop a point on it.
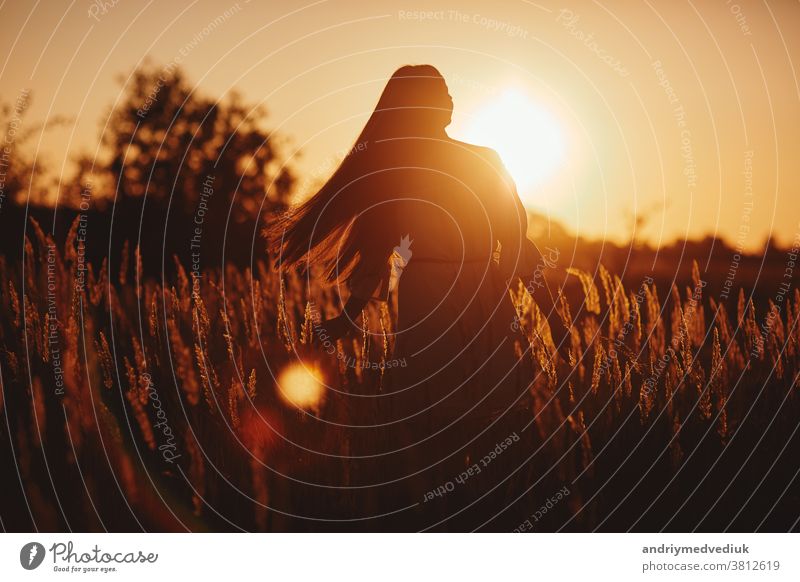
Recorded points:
(302, 385)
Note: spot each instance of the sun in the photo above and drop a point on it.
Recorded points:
(527, 137)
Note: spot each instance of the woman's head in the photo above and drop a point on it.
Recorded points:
(414, 103)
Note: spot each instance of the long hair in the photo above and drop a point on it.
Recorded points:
(325, 230)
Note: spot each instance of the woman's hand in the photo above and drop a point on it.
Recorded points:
(337, 327)
(340, 326)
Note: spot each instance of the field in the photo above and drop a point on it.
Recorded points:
(129, 404)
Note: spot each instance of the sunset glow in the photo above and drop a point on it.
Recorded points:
(527, 137)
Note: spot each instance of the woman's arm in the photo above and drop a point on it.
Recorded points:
(369, 279)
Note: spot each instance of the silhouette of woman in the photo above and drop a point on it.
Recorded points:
(439, 220)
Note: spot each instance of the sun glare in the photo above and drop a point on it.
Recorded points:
(527, 137)
(301, 385)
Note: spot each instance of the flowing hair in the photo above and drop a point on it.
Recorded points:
(325, 230)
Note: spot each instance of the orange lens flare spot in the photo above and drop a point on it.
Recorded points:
(302, 386)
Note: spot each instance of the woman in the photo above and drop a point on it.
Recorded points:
(441, 221)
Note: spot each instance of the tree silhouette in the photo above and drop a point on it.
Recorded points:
(20, 178)
(165, 139)
(170, 153)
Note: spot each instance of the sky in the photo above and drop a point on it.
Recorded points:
(684, 113)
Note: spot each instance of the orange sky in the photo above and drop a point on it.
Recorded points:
(662, 108)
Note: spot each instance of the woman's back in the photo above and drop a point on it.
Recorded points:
(445, 194)
(444, 205)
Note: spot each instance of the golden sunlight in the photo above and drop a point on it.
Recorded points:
(527, 137)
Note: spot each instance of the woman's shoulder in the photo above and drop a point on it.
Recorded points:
(484, 153)
(490, 165)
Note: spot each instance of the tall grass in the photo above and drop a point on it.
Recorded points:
(658, 414)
